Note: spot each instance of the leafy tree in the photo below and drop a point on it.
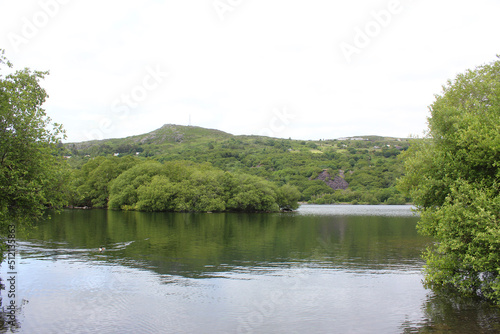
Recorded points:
(32, 176)
(312, 145)
(96, 176)
(184, 186)
(156, 195)
(453, 177)
(287, 197)
(252, 193)
(124, 189)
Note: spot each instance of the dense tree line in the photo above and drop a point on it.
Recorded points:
(371, 166)
(130, 183)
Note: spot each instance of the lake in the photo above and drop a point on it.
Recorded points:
(321, 269)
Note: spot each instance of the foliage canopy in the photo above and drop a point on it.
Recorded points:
(453, 177)
(149, 185)
(32, 176)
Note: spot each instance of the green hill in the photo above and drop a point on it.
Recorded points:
(360, 169)
(166, 136)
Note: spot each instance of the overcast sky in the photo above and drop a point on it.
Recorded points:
(315, 69)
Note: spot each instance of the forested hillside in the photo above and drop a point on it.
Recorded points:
(354, 170)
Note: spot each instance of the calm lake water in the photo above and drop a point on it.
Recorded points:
(322, 269)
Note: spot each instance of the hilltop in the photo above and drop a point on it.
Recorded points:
(360, 169)
(167, 134)
(172, 135)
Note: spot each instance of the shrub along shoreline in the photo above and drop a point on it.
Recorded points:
(175, 186)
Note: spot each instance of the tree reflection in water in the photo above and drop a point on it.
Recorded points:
(446, 312)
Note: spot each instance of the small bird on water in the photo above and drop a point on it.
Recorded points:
(101, 249)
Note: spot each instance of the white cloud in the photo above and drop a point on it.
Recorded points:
(232, 74)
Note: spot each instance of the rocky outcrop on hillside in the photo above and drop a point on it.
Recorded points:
(167, 133)
(337, 182)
